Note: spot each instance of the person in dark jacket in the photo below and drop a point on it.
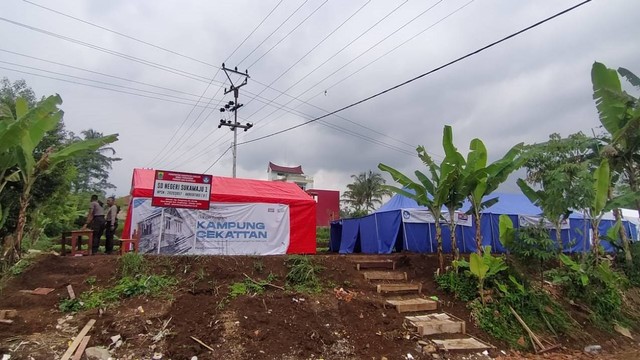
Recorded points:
(95, 219)
(111, 224)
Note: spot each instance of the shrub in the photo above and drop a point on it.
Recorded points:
(303, 274)
(597, 285)
(461, 284)
(131, 264)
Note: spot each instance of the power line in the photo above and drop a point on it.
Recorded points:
(273, 32)
(393, 49)
(98, 87)
(421, 75)
(202, 111)
(357, 57)
(289, 33)
(353, 73)
(254, 30)
(218, 159)
(341, 50)
(95, 72)
(118, 33)
(96, 81)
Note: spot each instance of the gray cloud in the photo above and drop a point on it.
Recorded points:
(519, 91)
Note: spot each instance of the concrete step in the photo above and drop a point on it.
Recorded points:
(441, 323)
(413, 305)
(376, 264)
(385, 275)
(398, 288)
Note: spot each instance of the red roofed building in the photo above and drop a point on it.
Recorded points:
(290, 174)
(327, 201)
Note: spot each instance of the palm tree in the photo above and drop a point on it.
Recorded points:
(365, 193)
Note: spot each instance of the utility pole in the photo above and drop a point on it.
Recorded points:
(234, 106)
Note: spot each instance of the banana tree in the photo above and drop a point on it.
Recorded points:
(482, 180)
(619, 114)
(40, 119)
(451, 189)
(422, 192)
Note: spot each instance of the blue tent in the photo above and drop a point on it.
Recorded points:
(394, 228)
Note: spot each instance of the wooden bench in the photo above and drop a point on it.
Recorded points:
(127, 245)
(75, 238)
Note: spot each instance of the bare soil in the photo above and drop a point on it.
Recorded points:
(274, 325)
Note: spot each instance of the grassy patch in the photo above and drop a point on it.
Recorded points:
(249, 287)
(461, 284)
(21, 266)
(126, 287)
(131, 264)
(323, 235)
(303, 274)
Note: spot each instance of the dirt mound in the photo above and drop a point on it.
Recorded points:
(274, 325)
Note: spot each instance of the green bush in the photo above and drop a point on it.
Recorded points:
(461, 284)
(535, 307)
(594, 284)
(303, 274)
(248, 287)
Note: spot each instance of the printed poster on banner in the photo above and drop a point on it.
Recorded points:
(181, 190)
(534, 220)
(224, 229)
(421, 216)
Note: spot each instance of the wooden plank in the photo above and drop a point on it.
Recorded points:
(412, 305)
(461, 344)
(81, 347)
(5, 321)
(72, 295)
(385, 275)
(41, 291)
(7, 314)
(439, 327)
(77, 340)
(388, 288)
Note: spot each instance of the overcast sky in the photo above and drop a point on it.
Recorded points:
(308, 58)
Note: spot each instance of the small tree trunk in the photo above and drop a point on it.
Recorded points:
(558, 224)
(478, 233)
(22, 217)
(439, 240)
(625, 240)
(595, 223)
(454, 243)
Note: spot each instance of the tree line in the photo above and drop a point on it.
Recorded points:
(46, 172)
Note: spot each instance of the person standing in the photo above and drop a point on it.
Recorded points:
(95, 219)
(111, 224)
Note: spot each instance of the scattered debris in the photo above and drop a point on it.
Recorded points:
(97, 353)
(201, 343)
(622, 331)
(77, 340)
(6, 357)
(592, 349)
(157, 356)
(72, 295)
(38, 291)
(163, 331)
(263, 283)
(81, 347)
(342, 294)
(140, 309)
(538, 347)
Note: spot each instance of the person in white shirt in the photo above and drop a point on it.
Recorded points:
(111, 224)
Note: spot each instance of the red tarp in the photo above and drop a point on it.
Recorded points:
(302, 208)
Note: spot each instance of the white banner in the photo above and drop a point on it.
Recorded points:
(224, 229)
(421, 216)
(534, 220)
